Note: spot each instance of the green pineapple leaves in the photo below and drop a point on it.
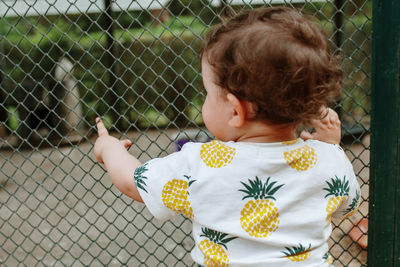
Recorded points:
(216, 237)
(139, 177)
(296, 250)
(354, 203)
(338, 187)
(258, 190)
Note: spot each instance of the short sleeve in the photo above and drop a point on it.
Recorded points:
(163, 183)
(353, 198)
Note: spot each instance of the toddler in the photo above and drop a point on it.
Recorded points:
(257, 195)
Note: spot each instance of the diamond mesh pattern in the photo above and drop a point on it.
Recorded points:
(135, 63)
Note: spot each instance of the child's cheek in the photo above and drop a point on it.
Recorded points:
(207, 117)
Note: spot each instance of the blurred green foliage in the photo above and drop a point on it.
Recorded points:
(156, 65)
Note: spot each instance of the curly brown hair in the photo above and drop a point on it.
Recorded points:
(276, 59)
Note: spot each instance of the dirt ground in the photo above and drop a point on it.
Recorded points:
(58, 207)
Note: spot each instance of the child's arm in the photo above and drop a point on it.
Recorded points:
(119, 164)
(327, 129)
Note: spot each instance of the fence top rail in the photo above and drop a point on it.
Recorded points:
(14, 8)
(24, 8)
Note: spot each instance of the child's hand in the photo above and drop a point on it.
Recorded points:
(120, 165)
(105, 141)
(327, 129)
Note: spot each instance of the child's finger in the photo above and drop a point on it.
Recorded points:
(306, 135)
(101, 129)
(324, 111)
(333, 116)
(126, 143)
(330, 119)
(317, 123)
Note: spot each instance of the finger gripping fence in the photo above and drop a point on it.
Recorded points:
(136, 65)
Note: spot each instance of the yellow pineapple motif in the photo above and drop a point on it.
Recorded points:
(302, 158)
(291, 142)
(355, 203)
(214, 248)
(216, 155)
(260, 216)
(299, 253)
(339, 191)
(328, 258)
(175, 196)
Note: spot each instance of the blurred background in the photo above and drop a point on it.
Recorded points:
(136, 65)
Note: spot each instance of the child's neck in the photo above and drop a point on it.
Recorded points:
(260, 132)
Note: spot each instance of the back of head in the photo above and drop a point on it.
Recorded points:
(276, 59)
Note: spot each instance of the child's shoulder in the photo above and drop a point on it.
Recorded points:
(328, 151)
(296, 144)
(333, 148)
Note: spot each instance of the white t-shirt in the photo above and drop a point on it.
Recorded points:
(254, 204)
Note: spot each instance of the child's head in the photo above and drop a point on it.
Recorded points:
(277, 60)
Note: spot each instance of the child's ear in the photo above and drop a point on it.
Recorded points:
(239, 110)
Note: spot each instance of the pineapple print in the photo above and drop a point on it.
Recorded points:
(175, 196)
(299, 253)
(291, 142)
(353, 206)
(216, 155)
(328, 258)
(338, 190)
(214, 247)
(302, 158)
(260, 216)
(139, 177)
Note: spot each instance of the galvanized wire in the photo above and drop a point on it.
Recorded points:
(62, 63)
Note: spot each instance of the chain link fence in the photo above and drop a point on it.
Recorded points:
(135, 64)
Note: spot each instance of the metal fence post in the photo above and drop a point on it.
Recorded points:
(384, 213)
(109, 58)
(338, 19)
